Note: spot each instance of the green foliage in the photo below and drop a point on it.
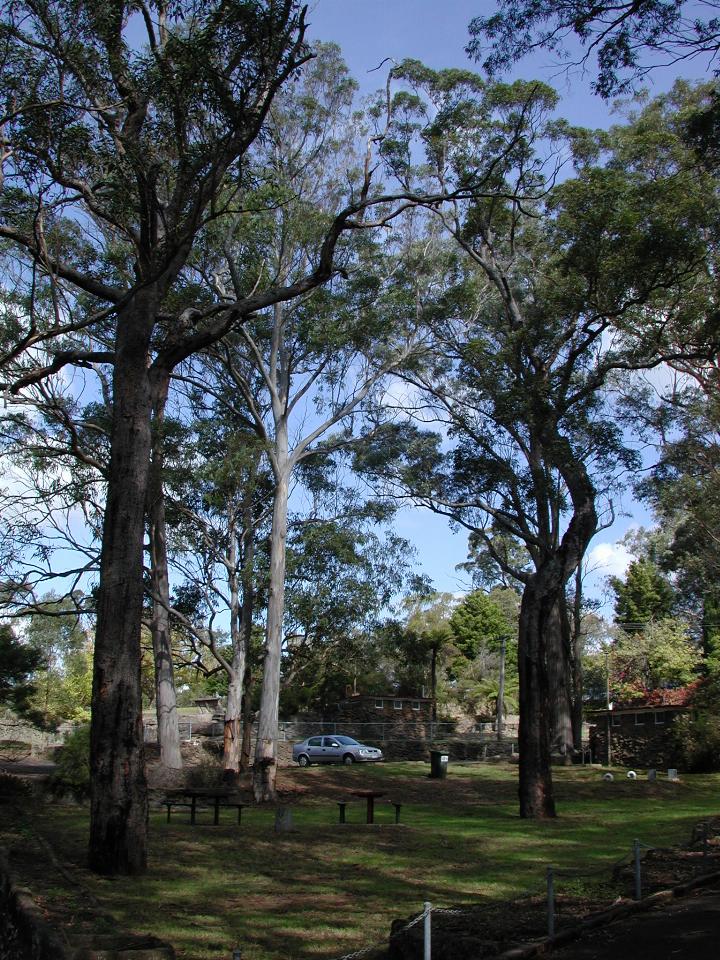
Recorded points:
(661, 655)
(18, 663)
(621, 35)
(643, 596)
(697, 742)
(478, 621)
(64, 680)
(683, 490)
(72, 773)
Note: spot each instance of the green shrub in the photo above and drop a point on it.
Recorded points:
(72, 773)
(697, 742)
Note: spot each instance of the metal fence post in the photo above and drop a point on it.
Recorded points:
(427, 946)
(550, 902)
(638, 874)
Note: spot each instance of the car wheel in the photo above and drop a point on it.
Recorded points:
(348, 759)
(304, 760)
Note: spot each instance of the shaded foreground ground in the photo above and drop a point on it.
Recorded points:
(686, 930)
(326, 890)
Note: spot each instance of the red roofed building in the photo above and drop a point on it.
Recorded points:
(635, 733)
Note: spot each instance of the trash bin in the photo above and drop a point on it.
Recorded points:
(438, 764)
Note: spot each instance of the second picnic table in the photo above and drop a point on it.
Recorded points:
(214, 797)
(371, 796)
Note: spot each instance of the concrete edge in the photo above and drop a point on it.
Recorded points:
(539, 948)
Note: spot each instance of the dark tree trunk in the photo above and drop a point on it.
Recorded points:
(168, 731)
(577, 667)
(247, 723)
(559, 669)
(535, 791)
(545, 589)
(118, 814)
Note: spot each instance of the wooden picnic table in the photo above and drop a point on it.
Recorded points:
(214, 797)
(371, 796)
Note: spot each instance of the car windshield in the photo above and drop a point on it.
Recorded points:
(347, 741)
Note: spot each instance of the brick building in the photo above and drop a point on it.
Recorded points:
(637, 731)
(388, 708)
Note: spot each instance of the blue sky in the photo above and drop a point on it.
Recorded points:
(368, 32)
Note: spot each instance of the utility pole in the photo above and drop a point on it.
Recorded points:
(501, 690)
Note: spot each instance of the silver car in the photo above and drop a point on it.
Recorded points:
(334, 749)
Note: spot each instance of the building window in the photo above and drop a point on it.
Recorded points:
(379, 704)
(639, 719)
(615, 720)
(660, 718)
(416, 704)
(397, 704)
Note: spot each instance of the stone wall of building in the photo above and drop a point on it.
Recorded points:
(649, 745)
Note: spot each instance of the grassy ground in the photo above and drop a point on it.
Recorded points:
(327, 889)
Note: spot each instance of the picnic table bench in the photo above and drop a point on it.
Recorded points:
(370, 796)
(203, 798)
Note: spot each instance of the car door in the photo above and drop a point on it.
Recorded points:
(332, 750)
(315, 749)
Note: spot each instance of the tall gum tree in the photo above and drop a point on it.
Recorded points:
(552, 294)
(125, 123)
(115, 150)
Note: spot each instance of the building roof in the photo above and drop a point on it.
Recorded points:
(385, 696)
(678, 698)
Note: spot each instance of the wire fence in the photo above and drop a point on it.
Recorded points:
(555, 878)
(373, 732)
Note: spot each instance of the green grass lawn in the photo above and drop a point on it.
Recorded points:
(327, 889)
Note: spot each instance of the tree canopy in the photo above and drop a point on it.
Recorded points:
(626, 39)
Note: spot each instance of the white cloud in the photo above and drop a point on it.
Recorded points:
(609, 559)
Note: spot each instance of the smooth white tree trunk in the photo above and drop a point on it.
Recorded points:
(265, 766)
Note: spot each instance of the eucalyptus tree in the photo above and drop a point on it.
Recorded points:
(56, 448)
(682, 489)
(549, 298)
(114, 150)
(628, 39)
(126, 123)
(321, 361)
(345, 571)
(219, 515)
